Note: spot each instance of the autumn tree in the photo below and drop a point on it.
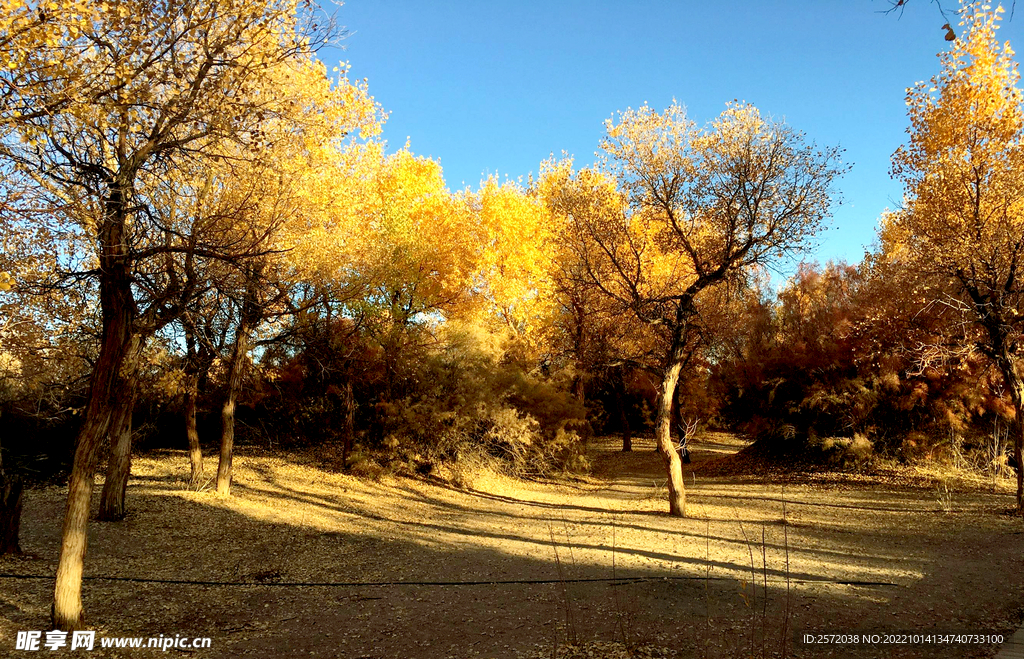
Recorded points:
(107, 100)
(960, 233)
(422, 246)
(801, 362)
(513, 282)
(47, 337)
(289, 206)
(672, 209)
(415, 248)
(204, 329)
(606, 350)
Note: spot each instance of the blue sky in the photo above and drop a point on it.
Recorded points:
(489, 87)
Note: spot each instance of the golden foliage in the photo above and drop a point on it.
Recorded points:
(672, 208)
(959, 235)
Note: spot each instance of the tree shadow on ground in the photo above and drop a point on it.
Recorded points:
(716, 587)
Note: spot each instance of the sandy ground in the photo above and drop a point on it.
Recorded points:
(410, 568)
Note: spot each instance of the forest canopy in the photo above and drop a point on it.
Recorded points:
(207, 243)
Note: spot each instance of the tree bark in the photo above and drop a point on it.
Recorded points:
(105, 391)
(239, 353)
(1016, 386)
(199, 356)
(119, 464)
(195, 451)
(677, 413)
(663, 436)
(350, 418)
(666, 397)
(227, 416)
(112, 498)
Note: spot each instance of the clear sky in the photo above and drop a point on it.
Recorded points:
(486, 86)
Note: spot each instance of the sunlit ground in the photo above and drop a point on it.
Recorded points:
(756, 562)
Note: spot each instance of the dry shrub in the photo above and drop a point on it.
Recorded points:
(510, 435)
(916, 446)
(861, 449)
(514, 444)
(466, 411)
(445, 401)
(468, 470)
(365, 466)
(844, 452)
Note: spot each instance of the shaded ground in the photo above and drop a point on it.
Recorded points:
(755, 566)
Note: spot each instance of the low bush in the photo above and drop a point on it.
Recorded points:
(842, 452)
(447, 405)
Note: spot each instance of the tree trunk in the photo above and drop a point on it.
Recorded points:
(579, 390)
(663, 436)
(67, 598)
(666, 398)
(227, 416)
(11, 490)
(199, 356)
(627, 432)
(119, 465)
(235, 373)
(677, 413)
(112, 506)
(105, 391)
(1016, 386)
(1018, 450)
(195, 451)
(350, 418)
(620, 395)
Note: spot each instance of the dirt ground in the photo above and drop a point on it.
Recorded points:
(305, 562)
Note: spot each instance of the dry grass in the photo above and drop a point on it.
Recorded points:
(876, 472)
(291, 521)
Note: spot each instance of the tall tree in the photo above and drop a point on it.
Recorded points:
(107, 100)
(960, 234)
(514, 276)
(204, 340)
(672, 210)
